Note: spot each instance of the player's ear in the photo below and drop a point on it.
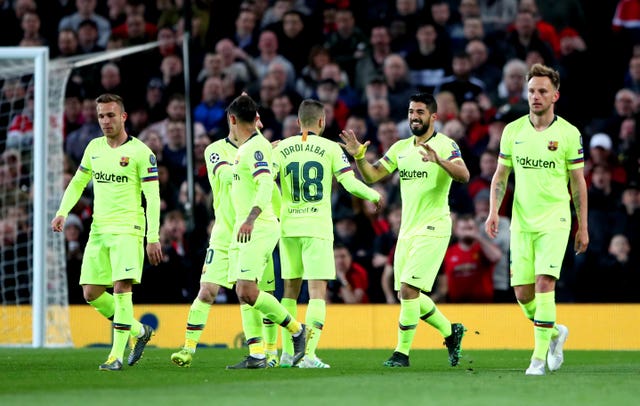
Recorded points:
(434, 116)
(556, 96)
(124, 116)
(232, 119)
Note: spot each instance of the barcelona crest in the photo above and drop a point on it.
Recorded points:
(553, 145)
(124, 161)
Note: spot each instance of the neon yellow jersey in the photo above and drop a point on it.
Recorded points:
(541, 161)
(253, 180)
(306, 166)
(424, 186)
(219, 156)
(119, 177)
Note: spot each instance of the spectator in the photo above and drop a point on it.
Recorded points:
(88, 37)
(467, 275)
(386, 136)
(502, 291)
(462, 84)
(295, 39)
(347, 44)
(20, 131)
(30, 24)
(268, 46)
(311, 73)
(77, 140)
(245, 33)
(481, 67)
(236, 63)
(601, 153)
(174, 152)
(352, 281)
(154, 100)
(211, 110)
(175, 111)
(430, 62)
(67, 44)
(345, 91)
(370, 65)
(86, 11)
(574, 56)
(400, 88)
(525, 38)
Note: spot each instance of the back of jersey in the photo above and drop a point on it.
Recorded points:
(307, 165)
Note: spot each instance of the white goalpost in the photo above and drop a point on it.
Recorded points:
(34, 310)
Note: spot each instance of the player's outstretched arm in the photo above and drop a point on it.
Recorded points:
(370, 173)
(359, 189)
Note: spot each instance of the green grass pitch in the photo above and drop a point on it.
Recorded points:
(356, 377)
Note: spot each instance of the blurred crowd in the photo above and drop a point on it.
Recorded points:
(362, 59)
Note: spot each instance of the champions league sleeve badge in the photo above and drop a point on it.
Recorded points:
(214, 158)
(258, 156)
(152, 159)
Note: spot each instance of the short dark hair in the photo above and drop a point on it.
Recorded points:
(309, 112)
(244, 108)
(427, 99)
(110, 98)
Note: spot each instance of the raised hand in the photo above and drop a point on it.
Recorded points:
(350, 142)
(428, 153)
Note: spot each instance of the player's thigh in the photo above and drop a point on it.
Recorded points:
(216, 267)
(268, 281)
(254, 255)
(96, 264)
(317, 258)
(522, 258)
(550, 248)
(291, 257)
(421, 259)
(127, 257)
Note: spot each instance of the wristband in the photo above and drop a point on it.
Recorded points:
(360, 154)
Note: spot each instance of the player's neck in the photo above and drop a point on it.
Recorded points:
(420, 139)
(115, 142)
(542, 122)
(243, 133)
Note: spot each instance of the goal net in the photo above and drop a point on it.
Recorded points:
(34, 308)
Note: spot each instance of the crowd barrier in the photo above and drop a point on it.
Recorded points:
(492, 326)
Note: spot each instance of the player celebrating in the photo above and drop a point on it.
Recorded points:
(121, 167)
(215, 274)
(307, 164)
(256, 230)
(427, 163)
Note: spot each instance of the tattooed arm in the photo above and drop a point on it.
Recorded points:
(497, 192)
(579, 196)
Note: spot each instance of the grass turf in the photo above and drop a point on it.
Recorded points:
(356, 377)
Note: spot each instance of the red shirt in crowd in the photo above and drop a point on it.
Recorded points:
(469, 275)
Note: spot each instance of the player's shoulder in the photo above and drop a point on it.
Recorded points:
(442, 138)
(517, 124)
(566, 127)
(96, 142)
(219, 145)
